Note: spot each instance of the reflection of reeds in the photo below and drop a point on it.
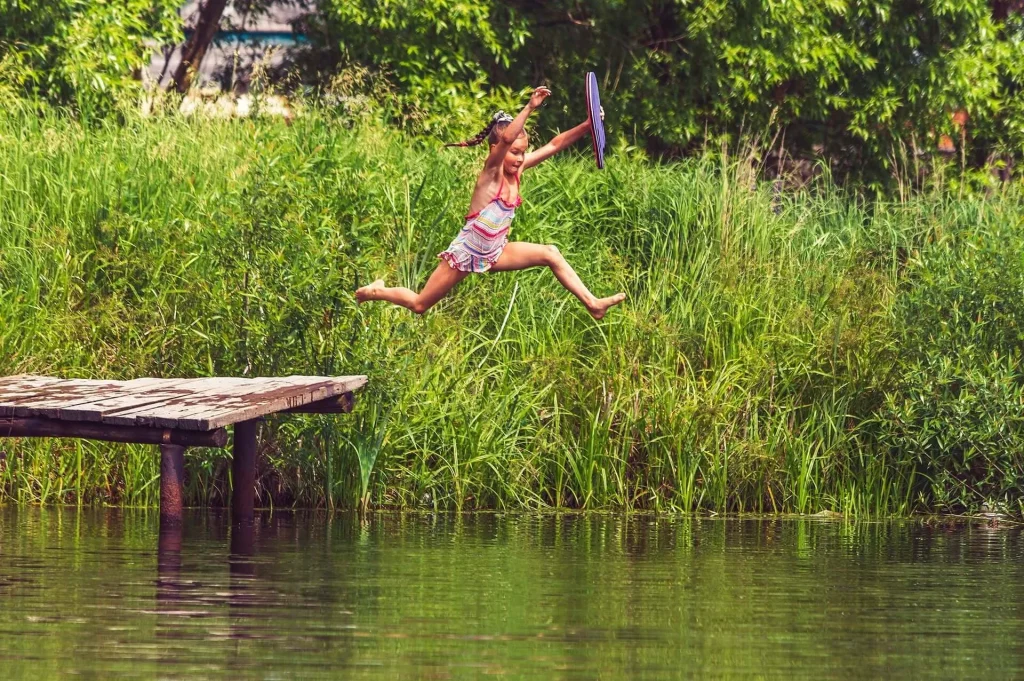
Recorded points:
(753, 347)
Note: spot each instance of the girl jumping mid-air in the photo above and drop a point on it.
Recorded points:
(483, 243)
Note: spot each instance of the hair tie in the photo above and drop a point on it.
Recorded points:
(497, 119)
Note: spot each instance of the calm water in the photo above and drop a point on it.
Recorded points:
(88, 594)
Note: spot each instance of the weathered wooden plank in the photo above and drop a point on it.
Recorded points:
(192, 404)
(70, 394)
(123, 399)
(17, 389)
(12, 391)
(265, 397)
(149, 381)
(21, 381)
(197, 388)
(272, 404)
(267, 402)
(56, 396)
(212, 393)
(60, 391)
(50, 399)
(200, 413)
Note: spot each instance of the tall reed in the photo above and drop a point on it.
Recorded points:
(745, 372)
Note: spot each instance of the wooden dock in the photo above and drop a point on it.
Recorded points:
(172, 413)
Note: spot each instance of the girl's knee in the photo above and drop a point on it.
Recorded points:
(552, 255)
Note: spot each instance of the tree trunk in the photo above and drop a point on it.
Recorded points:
(192, 54)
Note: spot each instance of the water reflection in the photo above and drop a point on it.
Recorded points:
(244, 595)
(554, 596)
(169, 587)
(181, 597)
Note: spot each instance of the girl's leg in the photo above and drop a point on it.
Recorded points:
(519, 255)
(437, 287)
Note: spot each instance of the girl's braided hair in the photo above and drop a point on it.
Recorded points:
(498, 122)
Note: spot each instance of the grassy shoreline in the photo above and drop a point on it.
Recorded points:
(822, 353)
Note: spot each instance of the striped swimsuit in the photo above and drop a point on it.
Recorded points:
(481, 241)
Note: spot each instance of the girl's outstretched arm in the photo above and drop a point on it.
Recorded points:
(558, 143)
(511, 133)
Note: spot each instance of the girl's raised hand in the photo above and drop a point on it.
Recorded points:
(538, 96)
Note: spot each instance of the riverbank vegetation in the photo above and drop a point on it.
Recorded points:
(779, 351)
(849, 85)
(812, 207)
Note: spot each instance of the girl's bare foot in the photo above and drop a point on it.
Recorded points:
(366, 292)
(601, 305)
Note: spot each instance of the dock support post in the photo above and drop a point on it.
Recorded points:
(243, 471)
(172, 479)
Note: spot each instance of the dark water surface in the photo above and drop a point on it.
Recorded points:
(87, 594)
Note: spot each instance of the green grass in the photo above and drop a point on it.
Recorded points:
(749, 369)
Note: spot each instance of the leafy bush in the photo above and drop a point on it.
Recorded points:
(957, 411)
(855, 81)
(83, 53)
(447, 57)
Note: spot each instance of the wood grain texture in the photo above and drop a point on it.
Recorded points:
(197, 404)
